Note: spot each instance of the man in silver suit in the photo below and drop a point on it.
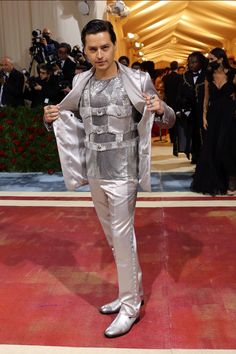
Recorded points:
(103, 131)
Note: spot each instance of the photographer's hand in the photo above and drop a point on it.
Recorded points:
(66, 90)
(37, 87)
(44, 41)
(51, 113)
(56, 70)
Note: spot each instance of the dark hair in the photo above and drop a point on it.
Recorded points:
(136, 63)
(65, 45)
(200, 57)
(123, 57)
(148, 65)
(174, 65)
(220, 53)
(96, 26)
(46, 67)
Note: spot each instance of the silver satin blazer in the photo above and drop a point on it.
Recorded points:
(70, 134)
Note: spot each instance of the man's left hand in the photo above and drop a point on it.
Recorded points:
(154, 104)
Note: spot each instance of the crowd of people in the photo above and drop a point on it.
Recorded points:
(202, 94)
(56, 65)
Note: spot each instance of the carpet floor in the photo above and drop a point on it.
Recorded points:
(56, 270)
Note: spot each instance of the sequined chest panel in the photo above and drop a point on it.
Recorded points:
(110, 123)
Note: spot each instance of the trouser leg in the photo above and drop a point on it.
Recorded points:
(115, 203)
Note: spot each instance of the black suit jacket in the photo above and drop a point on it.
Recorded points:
(13, 89)
(68, 70)
(171, 83)
(191, 95)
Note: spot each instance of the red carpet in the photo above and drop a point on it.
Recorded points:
(56, 270)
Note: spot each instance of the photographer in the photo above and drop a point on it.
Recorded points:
(66, 65)
(43, 49)
(50, 45)
(64, 69)
(44, 87)
(11, 84)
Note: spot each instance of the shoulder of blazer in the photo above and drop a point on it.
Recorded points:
(136, 76)
(82, 76)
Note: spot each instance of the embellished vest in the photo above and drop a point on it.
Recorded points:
(110, 123)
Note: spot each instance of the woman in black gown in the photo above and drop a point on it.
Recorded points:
(216, 169)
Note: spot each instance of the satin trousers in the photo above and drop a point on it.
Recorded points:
(114, 202)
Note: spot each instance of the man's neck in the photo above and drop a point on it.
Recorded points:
(107, 74)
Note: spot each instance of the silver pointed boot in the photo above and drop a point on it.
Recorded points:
(121, 325)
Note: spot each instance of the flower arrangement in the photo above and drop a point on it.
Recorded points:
(25, 144)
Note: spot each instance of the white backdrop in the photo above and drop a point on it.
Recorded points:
(19, 18)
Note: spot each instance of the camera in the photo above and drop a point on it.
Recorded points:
(79, 57)
(31, 80)
(52, 59)
(76, 53)
(62, 82)
(37, 49)
(37, 36)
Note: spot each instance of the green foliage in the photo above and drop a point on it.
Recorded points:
(25, 144)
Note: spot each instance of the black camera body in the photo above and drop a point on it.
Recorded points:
(76, 53)
(31, 80)
(62, 82)
(37, 48)
(36, 36)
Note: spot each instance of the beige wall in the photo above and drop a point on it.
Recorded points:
(19, 18)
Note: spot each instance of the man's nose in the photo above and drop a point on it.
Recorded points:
(99, 53)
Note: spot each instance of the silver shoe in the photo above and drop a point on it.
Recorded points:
(112, 307)
(121, 325)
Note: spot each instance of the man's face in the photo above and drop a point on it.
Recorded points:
(6, 66)
(47, 33)
(43, 74)
(100, 50)
(62, 53)
(194, 64)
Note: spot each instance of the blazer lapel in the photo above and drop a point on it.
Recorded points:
(71, 101)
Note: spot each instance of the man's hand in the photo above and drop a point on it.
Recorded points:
(44, 41)
(38, 87)
(51, 113)
(66, 90)
(154, 104)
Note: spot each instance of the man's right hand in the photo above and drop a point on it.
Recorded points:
(51, 113)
